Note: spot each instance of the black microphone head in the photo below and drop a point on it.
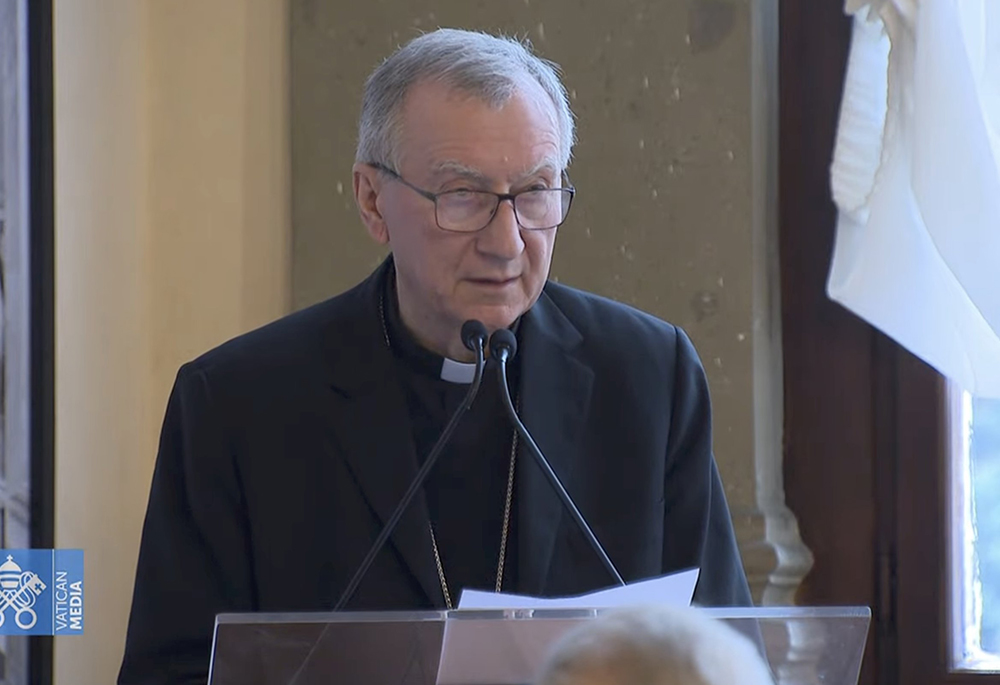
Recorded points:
(503, 342)
(474, 335)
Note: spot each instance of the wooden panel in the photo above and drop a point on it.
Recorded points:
(922, 529)
(830, 439)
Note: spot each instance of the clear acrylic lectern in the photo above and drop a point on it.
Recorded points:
(804, 646)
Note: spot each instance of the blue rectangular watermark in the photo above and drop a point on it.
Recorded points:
(41, 592)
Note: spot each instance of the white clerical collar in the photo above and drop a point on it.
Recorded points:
(457, 372)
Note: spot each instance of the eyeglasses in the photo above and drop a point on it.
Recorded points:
(468, 211)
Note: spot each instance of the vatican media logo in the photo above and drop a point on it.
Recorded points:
(41, 592)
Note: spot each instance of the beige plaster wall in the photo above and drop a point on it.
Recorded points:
(172, 235)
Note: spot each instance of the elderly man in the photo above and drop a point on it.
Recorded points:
(655, 646)
(284, 452)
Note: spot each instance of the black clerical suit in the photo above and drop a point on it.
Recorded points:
(284, 450)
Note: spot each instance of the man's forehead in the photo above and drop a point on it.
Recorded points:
(430, 130)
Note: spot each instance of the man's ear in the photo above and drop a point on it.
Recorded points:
(367, 186)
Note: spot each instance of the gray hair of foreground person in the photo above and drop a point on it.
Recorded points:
(654, 646)
(471, 62)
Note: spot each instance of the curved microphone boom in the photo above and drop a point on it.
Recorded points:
(474, 338)
(503, 347)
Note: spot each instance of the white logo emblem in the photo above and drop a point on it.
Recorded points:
(19, 590)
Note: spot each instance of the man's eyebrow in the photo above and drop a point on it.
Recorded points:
(547, 164)
(452, 168)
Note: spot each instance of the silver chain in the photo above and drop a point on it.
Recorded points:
(506, 512)
(505, 529)
(503, 534)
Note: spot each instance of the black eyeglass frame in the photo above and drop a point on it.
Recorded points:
(501, 197)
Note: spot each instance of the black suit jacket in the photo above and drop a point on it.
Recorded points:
(284, 450)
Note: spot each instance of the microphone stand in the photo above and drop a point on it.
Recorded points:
(425, 469)
(502, 348)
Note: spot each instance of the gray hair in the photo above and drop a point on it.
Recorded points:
(655, 647)
(478, 64)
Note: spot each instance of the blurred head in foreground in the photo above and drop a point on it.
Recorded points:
(654, 646)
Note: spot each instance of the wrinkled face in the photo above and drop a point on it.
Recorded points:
(453, 141)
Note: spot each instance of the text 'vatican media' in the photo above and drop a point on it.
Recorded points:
(69, 603)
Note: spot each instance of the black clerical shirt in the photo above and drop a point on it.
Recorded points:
(467, 490)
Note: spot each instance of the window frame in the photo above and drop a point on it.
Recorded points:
(41, 203)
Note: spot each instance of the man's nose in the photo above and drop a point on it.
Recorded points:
(502, 237)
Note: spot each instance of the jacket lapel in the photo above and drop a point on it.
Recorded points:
(555, 392)
(370, 425)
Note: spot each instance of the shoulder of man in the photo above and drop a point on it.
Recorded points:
(295, 343)
(627, 332)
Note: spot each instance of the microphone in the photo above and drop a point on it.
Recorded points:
(474, 338)
(503, 347)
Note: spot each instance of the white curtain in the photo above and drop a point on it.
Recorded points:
(916, 179)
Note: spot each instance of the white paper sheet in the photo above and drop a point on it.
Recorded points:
(676, 589)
